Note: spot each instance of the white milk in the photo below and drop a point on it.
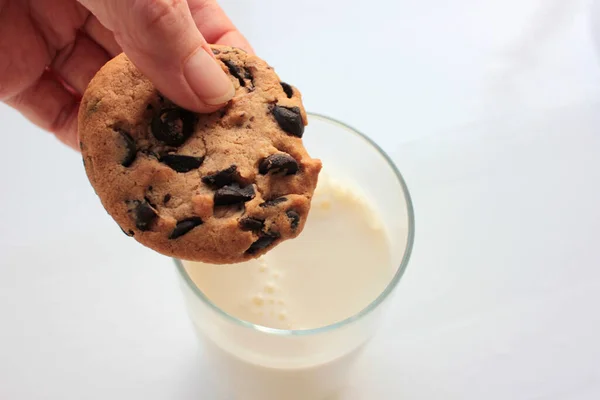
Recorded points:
(338, 265)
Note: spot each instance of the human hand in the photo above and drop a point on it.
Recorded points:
(51, 49)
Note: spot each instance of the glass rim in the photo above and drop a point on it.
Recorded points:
(373, 304)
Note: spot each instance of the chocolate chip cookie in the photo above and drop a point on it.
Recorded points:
(221, 187)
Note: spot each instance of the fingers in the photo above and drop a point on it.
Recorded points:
(23, 51)
(78, 62)
(162, 39)
(105, 38)
(50, 106)
(215, 25)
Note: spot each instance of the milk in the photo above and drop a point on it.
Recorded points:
(334, 269)
(338, 265)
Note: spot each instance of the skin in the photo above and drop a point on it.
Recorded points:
(51, 49)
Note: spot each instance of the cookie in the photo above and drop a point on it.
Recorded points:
(220, 188)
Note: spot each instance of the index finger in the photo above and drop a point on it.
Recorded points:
(215, 26)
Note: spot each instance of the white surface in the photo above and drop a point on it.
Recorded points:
(490, 109)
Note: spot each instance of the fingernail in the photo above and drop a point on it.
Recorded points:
(207, 79)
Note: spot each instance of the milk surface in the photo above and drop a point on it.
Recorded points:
(337, 266)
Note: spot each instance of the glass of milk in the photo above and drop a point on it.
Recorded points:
(290, 324)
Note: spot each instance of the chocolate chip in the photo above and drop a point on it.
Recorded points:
(184, 226)
(289, 91)
(222, 178)
(173, 126)
(264, 241)
(248, 75)
(130, 148)
(235, 71)
(251, 224)
(274, 202)
(289, 119)
(294, 218)
(130, 233)
(166, 198)
(233, 194)
(279, 162)
(216, 51)
(144, 216)
(181, 163)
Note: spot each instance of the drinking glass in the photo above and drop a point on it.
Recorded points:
(253, 362)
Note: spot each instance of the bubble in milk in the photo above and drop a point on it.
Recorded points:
(258, 300)
(270, 287)
(262, 265)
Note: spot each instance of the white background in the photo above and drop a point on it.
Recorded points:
(491, 110)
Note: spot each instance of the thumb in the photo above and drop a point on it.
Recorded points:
(161, 38)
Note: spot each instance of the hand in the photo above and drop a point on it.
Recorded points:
(51, 49)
